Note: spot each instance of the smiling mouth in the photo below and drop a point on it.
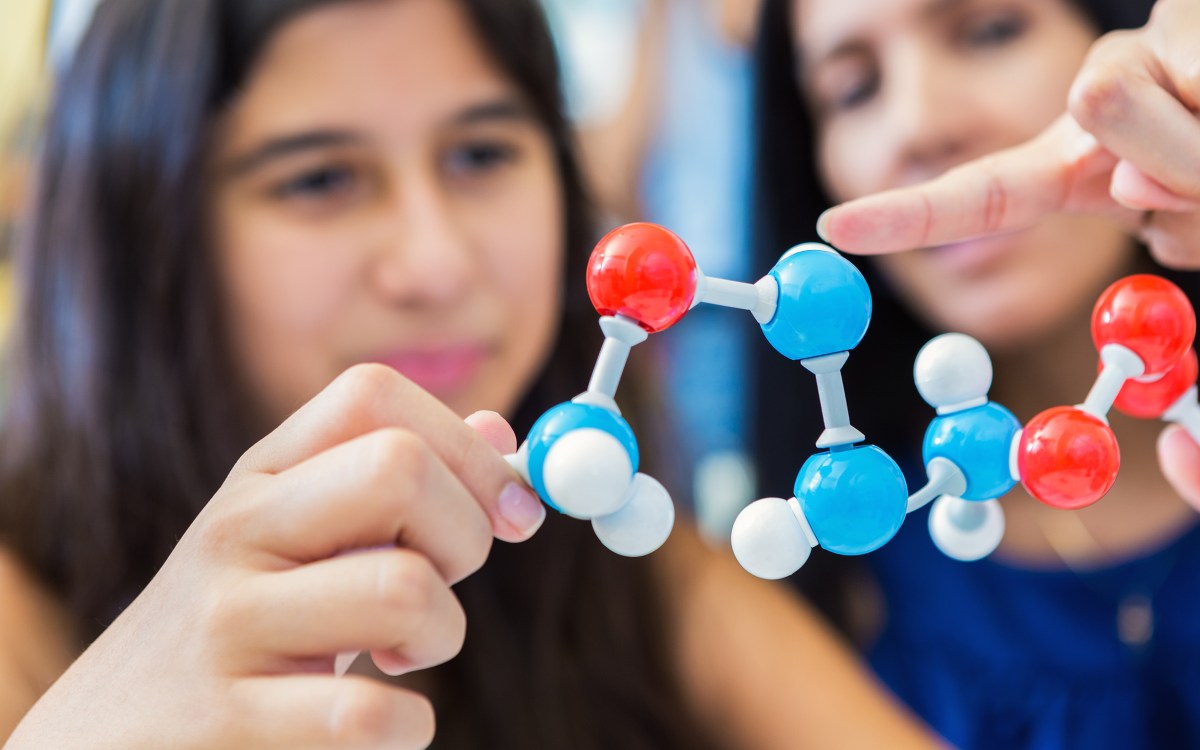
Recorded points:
(440, 371)
(973, 257)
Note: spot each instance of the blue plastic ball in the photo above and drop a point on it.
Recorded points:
(824, 305)
(563, 418)
(854, 499)
(978, 440)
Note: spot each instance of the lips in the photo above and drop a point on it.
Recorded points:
(442, 370)
(973, 257)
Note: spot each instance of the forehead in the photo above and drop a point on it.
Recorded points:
(405, 62)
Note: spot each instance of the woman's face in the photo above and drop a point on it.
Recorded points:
(902, 90)
(383, 193)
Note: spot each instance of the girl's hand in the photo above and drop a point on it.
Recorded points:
(232, 643)
(1129, 149)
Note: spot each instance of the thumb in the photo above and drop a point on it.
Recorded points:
(495, 430)
(1179, 457)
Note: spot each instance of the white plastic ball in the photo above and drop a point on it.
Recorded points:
(966, 529)
(587, 473)
(641, 525)
(768, 540)
(952, 369)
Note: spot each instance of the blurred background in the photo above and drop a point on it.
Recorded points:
(660, 93)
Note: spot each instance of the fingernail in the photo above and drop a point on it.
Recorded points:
(521, 509)
(823, 225)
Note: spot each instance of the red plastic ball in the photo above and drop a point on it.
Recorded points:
(644, 272)
(1149, 315)
(1067, 457)
(1150, 400)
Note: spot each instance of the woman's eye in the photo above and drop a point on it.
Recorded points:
(318, 183)
(481, 157)
(995, 31)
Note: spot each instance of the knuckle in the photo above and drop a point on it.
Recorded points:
(1100, 96)
(394, 453)
(357, 390)
(362, 714)
(405, 583)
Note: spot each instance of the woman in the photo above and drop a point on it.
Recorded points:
(237, 202)
(1077, 631)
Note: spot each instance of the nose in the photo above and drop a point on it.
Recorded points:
(425, 259)
(928, 114)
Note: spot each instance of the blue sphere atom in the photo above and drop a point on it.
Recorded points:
(563, 418)
(978, 440)
(854, 499)
(824, 305)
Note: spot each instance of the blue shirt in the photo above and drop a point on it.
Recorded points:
(994, 656)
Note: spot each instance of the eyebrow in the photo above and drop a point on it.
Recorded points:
(499, 110)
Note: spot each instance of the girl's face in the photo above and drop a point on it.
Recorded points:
(382, 192)
(902, 90)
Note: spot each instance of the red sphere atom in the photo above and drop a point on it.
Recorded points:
(644, 272)
(1150, 400)
(1068, 458)
(1149, 315)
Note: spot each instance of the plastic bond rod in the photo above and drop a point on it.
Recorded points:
(621, 334)
(831, 391)
(1120, 364)
(1186, 413)
(945, 478)
(760, 298)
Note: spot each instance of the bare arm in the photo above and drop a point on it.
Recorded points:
(765, 670)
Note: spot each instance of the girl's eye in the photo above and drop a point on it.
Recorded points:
(480, 157)
(856, 93)
(325, 182)
(995, 31)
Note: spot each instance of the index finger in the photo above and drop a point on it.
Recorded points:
(371, 397)
(1062, 169)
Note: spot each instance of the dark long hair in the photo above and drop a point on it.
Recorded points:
(788, 199)
(124, 413)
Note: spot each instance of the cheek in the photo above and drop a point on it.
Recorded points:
(850, 162)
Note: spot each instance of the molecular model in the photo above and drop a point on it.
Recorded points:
(851, 498)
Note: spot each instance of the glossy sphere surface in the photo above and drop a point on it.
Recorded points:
(978, 440)
(824, 305)
(854, 499)
(563, 418)
(1149, 315)
(644, 272)
(1068, 458)
(1150, 400)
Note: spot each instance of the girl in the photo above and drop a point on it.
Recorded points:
(250, 209)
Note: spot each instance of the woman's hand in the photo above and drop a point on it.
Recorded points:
(1129, 148)
(232, 643)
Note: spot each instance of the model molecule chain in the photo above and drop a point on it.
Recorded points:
(814, 306)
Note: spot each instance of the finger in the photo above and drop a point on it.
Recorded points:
(384, 600)
(370, 397)
(1179, 457)
(317, 712)
(1173, 30)
(1121, 98)
(1133, 188)
(381, 489)
(1174, 238)
(1063, 169)
(495, 430)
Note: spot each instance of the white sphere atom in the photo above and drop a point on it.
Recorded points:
(641, 525)
(966, 530)
(952, 369)
(768, 540)
(587, 473)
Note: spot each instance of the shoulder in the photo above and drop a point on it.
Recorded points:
(762, 667)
